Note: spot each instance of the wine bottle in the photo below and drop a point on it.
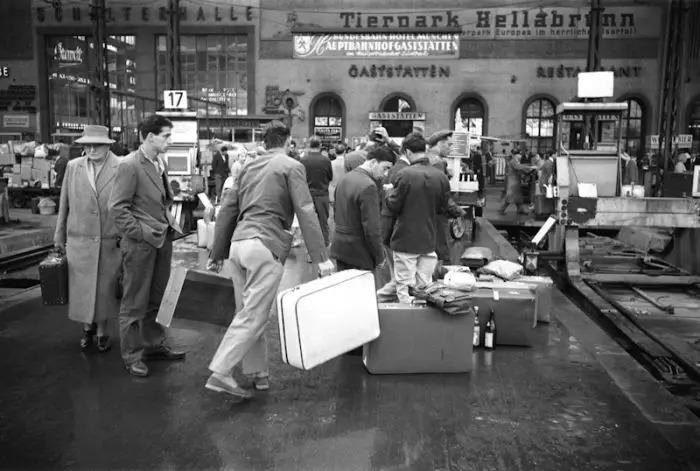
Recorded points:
(490, 332)
(477, 328)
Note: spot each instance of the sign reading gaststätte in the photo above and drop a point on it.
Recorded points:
(354, 46)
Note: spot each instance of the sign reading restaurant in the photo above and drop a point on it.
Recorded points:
(380, 45)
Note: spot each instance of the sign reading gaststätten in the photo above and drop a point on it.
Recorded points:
(354, 46)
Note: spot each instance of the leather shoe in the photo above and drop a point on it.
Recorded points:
(138, 368)
(164, 354)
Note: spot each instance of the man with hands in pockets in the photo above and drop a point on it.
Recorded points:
(253, 231)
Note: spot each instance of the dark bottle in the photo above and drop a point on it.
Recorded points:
(477, 328)
(490, 332)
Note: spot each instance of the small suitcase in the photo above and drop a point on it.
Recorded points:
(327, 317)
(420, 339)
(515, 313)
(545, 290)
(197, 295)
(53, 276)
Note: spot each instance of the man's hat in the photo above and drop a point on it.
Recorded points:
(95, 135)
(439, 136)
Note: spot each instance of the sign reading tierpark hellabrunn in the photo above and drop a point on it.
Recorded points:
(371, 45)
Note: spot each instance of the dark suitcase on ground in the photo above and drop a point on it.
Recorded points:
(53, 275)
(198, 295)
(420, 339)
(514, 311)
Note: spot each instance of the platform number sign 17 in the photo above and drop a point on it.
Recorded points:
(175, 99)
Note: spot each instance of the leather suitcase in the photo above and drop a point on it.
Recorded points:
(53, 276)
(327, 317)
(198, 295)
(515, 311)
(420, 339)
(545, 290)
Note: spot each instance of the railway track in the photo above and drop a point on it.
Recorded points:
(28, 258)
(24, 259)
(651, 308)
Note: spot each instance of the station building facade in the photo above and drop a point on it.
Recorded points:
(511, 68)
(218, 43)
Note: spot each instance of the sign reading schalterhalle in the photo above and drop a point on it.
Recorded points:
(371, 45)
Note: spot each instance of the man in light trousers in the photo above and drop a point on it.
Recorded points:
(257, 245)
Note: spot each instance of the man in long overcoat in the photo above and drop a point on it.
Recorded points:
(88, 236)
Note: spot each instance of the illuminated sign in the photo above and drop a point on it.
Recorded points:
(68, 56)
(354, 46)
(4, 72)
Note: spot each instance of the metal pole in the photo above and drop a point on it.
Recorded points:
(101, 75)
(173, 46)
(593, 64)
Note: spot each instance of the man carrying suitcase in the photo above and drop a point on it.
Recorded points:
(269, 191)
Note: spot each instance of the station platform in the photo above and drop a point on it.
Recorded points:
(575, 401)
(26, 231)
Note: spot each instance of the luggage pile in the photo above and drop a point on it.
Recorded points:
(435, 334)
(328, 317)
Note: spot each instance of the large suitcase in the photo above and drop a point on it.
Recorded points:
(197, 295)
(514, 311)
(420, 339)
(327, 317)
(53, 276)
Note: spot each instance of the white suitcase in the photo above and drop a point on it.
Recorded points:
(327, 317)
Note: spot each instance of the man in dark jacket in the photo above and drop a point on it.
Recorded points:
(357, 242)
(220, 169)
(387, 293)
(440, 143)
(421, 192)
(319, 173)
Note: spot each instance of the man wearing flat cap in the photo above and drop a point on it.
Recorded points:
(440, 143)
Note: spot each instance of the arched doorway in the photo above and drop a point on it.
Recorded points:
(469, 114)
(633, 127)
(539, 124)
(327, 121)
(694, 122)
(398, 116)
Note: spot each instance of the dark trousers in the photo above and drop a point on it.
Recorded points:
(342, 266)
(219, 184)
(322, 205)
(146, 271)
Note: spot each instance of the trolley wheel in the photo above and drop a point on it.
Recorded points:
(19, 201)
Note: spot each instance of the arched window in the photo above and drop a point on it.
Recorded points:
(539, 125)
(470, 116)
(398, 103)
(694, 122)
(632, 133)
(327, 118)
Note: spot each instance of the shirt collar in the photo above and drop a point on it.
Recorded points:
(150, 157)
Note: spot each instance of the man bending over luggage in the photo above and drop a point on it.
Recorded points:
(420, 193)
(357, 242)
(266, 195)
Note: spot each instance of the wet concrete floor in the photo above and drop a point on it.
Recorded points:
(551, 407)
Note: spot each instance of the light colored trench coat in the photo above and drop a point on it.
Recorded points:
(90, 237)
